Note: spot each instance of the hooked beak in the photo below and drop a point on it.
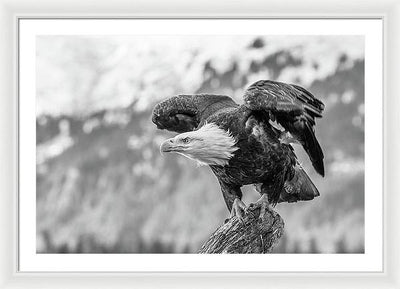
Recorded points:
(167, 146)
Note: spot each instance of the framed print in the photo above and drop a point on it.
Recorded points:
(97, 83)
(164, 145)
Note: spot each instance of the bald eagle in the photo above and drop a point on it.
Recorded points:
(249, 143)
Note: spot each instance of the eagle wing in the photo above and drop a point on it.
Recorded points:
(184, 113)
(294, 108)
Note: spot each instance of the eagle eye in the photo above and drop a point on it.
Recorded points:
(185, 140)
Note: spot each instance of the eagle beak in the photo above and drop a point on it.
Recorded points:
(167, 146)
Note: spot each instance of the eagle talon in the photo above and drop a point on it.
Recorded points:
(261, 203)
(248, 211)
(237, 207)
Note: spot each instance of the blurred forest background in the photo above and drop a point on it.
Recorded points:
(103, 186)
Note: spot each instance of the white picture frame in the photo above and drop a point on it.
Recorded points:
(10, 11)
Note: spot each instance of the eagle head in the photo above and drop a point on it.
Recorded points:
(209, 145)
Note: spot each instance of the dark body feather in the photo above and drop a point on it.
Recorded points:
(261, 157)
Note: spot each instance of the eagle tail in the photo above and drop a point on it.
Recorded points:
(314, 150)
(299, 188)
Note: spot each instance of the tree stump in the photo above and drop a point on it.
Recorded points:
(253, 235)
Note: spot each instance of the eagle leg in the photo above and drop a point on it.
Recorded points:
(232, 195)
(238, 208)
(261, 203)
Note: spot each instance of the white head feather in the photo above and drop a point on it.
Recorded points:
(209, 145)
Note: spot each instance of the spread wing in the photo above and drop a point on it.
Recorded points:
(292, 107)
(184, 113)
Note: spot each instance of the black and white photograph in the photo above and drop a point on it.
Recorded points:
(150, 144)
(200, 144)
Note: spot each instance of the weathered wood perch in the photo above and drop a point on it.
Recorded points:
(254, 235)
